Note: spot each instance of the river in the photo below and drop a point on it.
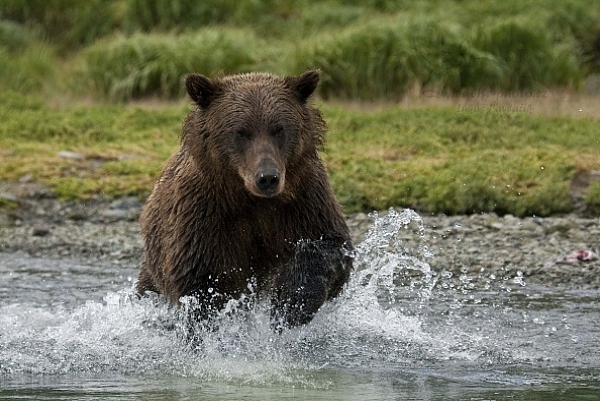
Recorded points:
(73, 330)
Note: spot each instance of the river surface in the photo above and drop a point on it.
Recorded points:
(73, 330)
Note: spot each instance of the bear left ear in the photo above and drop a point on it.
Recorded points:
(305, 84)
(201, 89)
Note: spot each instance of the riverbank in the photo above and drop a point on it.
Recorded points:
(534, 250)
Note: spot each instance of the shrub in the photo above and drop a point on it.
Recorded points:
(365, 62)
(267, 17)
(14, 37)
(67, 23)
(29, 71)
(175, 14)
(384, 59)
(529, 58)
(124, 68)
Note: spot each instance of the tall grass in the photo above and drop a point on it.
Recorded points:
(173, 15)
(123, 68)
(265, 16)
(32, 70)
(365, 63)
(27, 64)
(527, 56)
(15, 37)
(367, 49)
(67, 23)
(384, 58)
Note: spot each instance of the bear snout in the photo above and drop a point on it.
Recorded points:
(267, 181)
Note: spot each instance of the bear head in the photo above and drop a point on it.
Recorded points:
(256, 126)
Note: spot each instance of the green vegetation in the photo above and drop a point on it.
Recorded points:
(127, 49)
(65, 63)
(124, 68)
(444, 161)
(124, 147)
(435, 160)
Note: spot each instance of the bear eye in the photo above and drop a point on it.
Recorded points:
(278, 133)
(243, 134)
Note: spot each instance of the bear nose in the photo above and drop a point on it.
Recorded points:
(267, 181)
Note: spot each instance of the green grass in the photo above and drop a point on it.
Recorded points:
(592, 198)
(90, 54)
(124, 68)
(449, 161)
(437, 160)
(124, 147)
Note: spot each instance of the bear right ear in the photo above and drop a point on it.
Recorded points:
(304, 84)
(201, 89)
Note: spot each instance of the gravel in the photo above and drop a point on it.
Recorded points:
(484, 245)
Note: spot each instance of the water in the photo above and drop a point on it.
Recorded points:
(72, 330)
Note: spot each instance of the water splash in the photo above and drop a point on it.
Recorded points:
(396, 314)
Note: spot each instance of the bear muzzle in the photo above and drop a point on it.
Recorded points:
(266, 182)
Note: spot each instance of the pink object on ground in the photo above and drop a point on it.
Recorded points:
(580, 255)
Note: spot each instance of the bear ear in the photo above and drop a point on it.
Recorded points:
(304, 84)
(201, 89)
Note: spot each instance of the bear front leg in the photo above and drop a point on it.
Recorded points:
(317, 272)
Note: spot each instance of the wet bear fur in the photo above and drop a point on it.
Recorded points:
(245, 203)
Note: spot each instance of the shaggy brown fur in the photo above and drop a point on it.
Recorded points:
(246, 200)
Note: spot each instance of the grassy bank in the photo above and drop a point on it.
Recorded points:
(440, 160)
(73, 72)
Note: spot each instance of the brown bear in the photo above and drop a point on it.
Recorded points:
(245, 203)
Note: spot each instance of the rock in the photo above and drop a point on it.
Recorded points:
(116, 214)
(130, 202)
(27, 178)
(9, 197)
(25, 190)
(40, 231)
(561, 227)
(65, 154)
(496, 225)
(7, 219)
